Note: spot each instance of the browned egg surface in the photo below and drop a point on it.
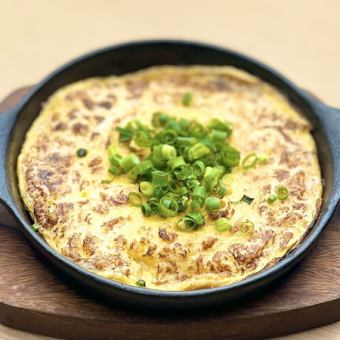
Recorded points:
(92, 223)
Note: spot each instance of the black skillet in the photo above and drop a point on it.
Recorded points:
(131, 57)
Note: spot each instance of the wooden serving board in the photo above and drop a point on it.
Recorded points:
(34, 299)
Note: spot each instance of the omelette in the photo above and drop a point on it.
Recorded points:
(83, 211)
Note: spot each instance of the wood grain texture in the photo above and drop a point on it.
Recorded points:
(35, 299)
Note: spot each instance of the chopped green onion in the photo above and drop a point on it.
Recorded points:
(125, 134)
(167, 207)
(112, 151)
(141, 283)
(282, 193)
(106, 181)
(176, 162)
(195, 204)
(247, 199)
(230, 157)
(146, 210)
(35, 226)
(247, 226)
(145, 166)
(271, 199)
(196, 130)
(223, 224)
(186, 141)
(128, 162)
(183, 203)
(197, 151)
(185, 164)
(199, 193)
(216, 124)
(160, 178)
(143, 139)
(262, 159)
(198, 168)
(81, 152)
(191, 221)
(187, 99)
(211, 178)
(153, 204)
(168, 136)
(222, 190)
(183, 172)
(212, 204)
(168, 152)
(218, 136)
(135, 199)
(160, 191)
(115, 170)
(160, 119)
(249, 161)
(146, 188)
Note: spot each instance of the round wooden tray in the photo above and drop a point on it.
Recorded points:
(35, 299)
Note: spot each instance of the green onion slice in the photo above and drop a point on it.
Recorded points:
(128, 162)
(230, 157)
(191, 221)
(140, 283)
(35, 226)
(168, 207)
(146, 210)
(135, 199)
(249, 161)
(160, 178)
(197, 151)
(183, 172)
(282, 193)
(271, 199)
(187, 99)
(247, 199)
(212, 204)
(146, 188)
(223, 224)
(247, 226)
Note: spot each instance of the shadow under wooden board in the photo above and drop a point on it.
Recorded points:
(35, 299)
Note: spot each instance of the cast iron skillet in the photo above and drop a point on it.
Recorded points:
(131, 57)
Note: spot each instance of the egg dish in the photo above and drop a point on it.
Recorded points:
(171, 178)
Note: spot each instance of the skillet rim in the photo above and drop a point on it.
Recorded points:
(257, 279)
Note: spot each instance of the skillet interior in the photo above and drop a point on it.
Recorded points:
(131, 57)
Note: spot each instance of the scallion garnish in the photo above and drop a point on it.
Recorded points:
(159, 178)
(282, 193)
(168, 207)
(141, 283)
(223, 224)
(146, 188)
(247, 199)
(249, 161)
(128, 162)
(183, 169)
(271, 199)
(135, 199)
(212, 204)
(187, 99)
(191, 221)
(35, 226)
(146, 210)
(247, 226)
(197, 151)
